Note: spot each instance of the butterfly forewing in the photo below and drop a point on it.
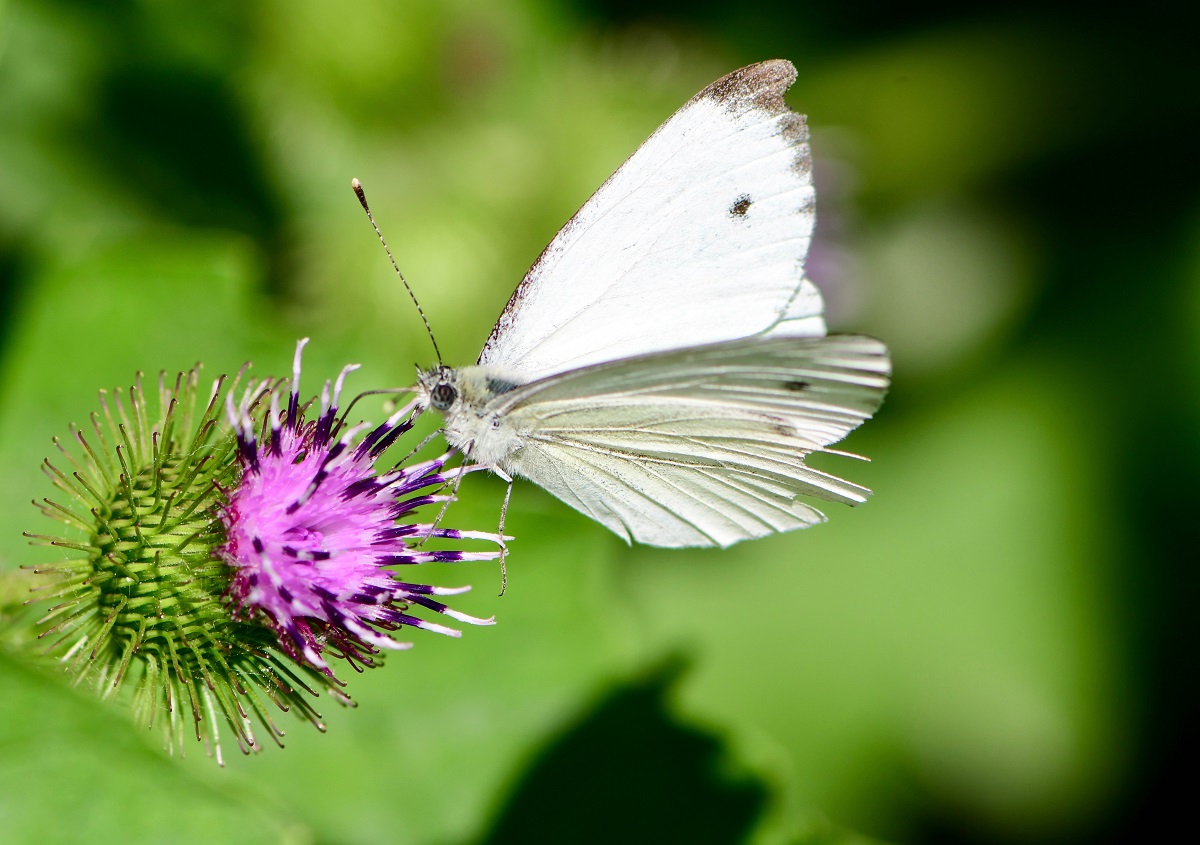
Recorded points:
(713, 211)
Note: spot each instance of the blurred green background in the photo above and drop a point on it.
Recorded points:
(996, 649)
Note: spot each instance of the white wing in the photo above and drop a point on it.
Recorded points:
(702, 446)
(699, 237)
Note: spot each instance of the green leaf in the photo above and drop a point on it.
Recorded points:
(73, 770)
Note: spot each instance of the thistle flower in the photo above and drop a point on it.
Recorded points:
(312, 529)
(212, 575)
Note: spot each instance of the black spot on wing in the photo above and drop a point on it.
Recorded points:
(796, 386)
(740, 206)
(779, 425)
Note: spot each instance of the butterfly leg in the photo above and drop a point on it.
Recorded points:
(503, 515)
(445, 505)
(417, 448)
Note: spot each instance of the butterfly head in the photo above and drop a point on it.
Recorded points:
(474, 415)
(439, 388)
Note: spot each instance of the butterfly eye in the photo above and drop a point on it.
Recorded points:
(443, 396)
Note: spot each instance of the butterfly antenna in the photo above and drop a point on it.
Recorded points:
(362, 198)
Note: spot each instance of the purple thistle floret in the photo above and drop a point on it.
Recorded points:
(312, 527)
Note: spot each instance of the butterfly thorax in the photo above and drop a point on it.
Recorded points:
(474, 422)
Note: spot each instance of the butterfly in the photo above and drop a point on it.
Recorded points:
(663, 368)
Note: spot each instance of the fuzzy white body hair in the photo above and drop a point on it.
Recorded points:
(483, 433)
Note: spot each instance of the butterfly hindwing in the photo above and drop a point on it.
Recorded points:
(701, 446)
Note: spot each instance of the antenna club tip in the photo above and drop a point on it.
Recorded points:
(359, 192)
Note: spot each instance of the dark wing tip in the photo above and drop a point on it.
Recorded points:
(761, 84)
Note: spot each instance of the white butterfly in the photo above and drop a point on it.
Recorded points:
(663, 367)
